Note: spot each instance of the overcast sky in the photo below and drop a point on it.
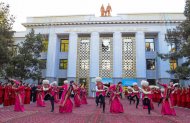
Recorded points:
(22, 9)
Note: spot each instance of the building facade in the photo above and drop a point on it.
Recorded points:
(119, 48)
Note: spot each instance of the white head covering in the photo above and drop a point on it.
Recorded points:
(162, 89)
(45, 81)
(144, 83)
(66, 82)
(129, 87)
(134, 83)
(53, 83)
(98, 79)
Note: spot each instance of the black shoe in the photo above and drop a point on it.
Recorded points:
(52, 110)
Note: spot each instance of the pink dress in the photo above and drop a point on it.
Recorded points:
(83, 96)
(56, 97)
(77, 99)
(68, 106)
(167, 104)
(40, 97)
(116, 106)
(19, 101)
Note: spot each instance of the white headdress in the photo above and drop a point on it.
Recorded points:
(45, 81)
(66, 82)
(134, 83)
(144, 83)
(162, 89)
(129, 87)
(53, 83)
(98, 79)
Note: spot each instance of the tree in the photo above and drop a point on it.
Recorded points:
(26, 64)
(179, 40)
(6, 36)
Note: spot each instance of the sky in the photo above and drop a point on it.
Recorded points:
(22, 9)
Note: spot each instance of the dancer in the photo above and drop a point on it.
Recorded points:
(66, 104)
(100, 93)
(136, 93)
(83, 95)
(76, 90)
(116, 106)
(146, 95)
(130, 94)
(19, 101)
(40, 94)
(167, 104)
(1, 93)
(27, 94)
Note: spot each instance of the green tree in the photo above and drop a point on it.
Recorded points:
(6, 36)
(26, 64)
(179, 40)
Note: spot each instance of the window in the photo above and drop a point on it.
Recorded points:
(63, 64)
(64, 45)
(150, 45)
(43, 63)
(150, 64)
(151, 81)
(173, 64)
(45, 45)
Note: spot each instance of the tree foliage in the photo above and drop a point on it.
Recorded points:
(26, 64)
(180, 38)
(6, 36)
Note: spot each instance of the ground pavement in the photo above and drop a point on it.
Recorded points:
(91, 114)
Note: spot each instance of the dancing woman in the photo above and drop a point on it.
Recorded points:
(83, 95)
(167, 103)
(66, 104)
(19, 101)
(40, 94)
(116, 106)
(76, 90)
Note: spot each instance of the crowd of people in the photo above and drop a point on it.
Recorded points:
(18, 93)
(169, 95)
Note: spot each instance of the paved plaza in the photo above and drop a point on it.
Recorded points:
(91, 114)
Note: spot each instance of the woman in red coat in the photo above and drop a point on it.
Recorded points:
(27, 94)
(1, 93)
(188, 97)
(13, 96)
(183, 97)
(179, 97)
(7, 94)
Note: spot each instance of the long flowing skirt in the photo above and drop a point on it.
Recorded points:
(77, 100)
(19, 104)
(166, 109)
(56, 98)
(40, 101)
(67, 108)
(116, 106)
(84, 100)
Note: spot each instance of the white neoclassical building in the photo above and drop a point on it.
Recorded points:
(117, 48)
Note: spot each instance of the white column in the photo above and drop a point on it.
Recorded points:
(117, 55)
(52, 56)
(94, 54)
(140, 55)
(72, 55)
(163, 48)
